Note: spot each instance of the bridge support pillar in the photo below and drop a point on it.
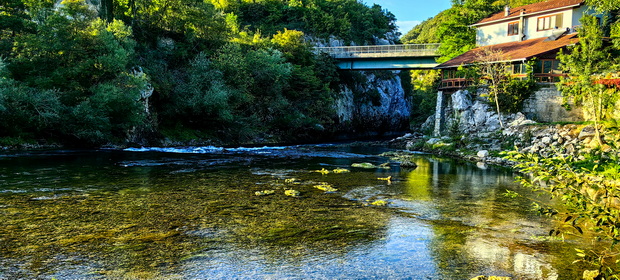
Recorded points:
(440, 114)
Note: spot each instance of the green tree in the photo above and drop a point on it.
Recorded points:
(203, 99)
(14, 20)
(292, 44)
(604, 5)
(494, 71)
(586, 62)
(109, 113)
(455, 32)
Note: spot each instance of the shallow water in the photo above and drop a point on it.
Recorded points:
(192, 213)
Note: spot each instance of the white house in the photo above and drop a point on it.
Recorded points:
(522, 33)
(532, 21)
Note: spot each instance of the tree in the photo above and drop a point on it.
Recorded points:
(494, 70)
(604, 5)
(292, 44)
(455, 32)
(585, 63)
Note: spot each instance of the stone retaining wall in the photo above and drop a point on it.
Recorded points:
(546, 105)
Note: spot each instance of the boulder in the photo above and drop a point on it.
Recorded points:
(480, 113)
(433, 141)
(483, 153)
(406, 163)
(587, 132)
(461, 100)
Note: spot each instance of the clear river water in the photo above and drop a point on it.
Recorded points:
(215, 213)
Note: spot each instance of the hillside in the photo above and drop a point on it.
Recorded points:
(90, 73)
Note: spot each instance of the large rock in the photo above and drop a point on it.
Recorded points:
(520, 119)
(483, 153)
(461, 100)
(587, 132)
(433, 141)
(407, 163)
(388, 110)
(481, 113)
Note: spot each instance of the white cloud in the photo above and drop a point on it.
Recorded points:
(405, 26)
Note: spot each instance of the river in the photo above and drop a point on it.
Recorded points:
(194, 213)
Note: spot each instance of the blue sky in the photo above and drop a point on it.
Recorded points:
(411, 12)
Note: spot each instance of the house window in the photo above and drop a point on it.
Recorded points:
(550, 22)
(544, 23)
(519, 68)
(513, 28)
(548, 70)
(548, 66)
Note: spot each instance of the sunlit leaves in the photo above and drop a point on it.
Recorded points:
(604, 5)
(588, 185)
(586, 62)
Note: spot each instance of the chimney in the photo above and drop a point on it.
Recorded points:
(506, 10)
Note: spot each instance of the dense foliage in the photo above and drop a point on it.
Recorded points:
(587, 62)
(93, 72)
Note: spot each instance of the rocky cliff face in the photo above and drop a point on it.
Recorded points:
(374, 104)
(370, 103)
(468, 113)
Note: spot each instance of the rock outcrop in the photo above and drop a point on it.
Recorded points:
(377, 104)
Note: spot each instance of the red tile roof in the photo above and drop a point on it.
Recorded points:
(532, 8)
(514, 50)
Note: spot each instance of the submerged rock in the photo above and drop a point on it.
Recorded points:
(379, 203)
(265, 192)
(341, 170)
(322, 171)
(482, 277)
(364, 165)
(406, 163)
(326, 187)
(388, 179)
(292, 193)
(368, 165)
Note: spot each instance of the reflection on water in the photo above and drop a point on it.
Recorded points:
(193, 214)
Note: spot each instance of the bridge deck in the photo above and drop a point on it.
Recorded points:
(382, 51)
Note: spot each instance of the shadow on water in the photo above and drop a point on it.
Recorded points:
(194, 213)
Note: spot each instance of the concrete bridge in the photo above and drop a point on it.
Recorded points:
(384, 57)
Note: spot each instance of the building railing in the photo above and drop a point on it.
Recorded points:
(407, 50)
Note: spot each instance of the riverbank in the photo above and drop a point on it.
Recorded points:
(488, 147)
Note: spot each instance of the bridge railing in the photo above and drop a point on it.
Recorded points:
(406, 50)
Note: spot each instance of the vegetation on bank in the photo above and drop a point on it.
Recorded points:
(234, 71)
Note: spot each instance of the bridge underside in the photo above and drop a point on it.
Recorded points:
(404, 63)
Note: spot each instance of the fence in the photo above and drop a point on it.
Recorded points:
(409, 50)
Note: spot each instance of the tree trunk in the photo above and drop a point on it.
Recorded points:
(499, 115)
(106, 11)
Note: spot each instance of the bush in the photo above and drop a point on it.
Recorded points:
(515, 92)
(29, 112)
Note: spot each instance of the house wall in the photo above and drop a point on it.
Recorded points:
(531, 24)
(497, 33)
